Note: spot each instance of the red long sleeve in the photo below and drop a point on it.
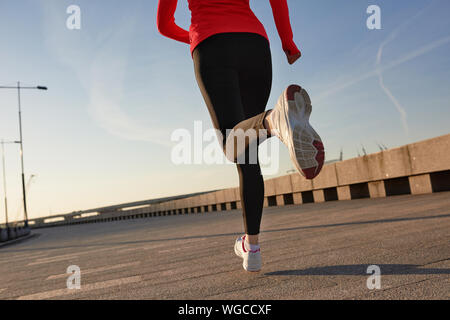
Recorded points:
(166, 21)
(281, 15)
(210, 17)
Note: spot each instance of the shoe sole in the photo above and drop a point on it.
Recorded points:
(306, 147)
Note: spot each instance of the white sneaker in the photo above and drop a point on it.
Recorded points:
(252, 259)
(290, 119)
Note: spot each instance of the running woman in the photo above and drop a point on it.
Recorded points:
(233, 67)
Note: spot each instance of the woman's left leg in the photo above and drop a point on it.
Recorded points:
(255, 83)
(234, 73)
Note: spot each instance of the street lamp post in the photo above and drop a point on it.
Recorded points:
(4, 178)
(18, 87)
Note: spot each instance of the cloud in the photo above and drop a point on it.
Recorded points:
(379, 68)
(403, 59)
(100, 62)
(107, 78)
(387, 91)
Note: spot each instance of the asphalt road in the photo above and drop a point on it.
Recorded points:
(311, 251)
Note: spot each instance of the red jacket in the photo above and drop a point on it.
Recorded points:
(209, 17)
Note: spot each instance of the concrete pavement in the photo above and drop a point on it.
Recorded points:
(311, 251)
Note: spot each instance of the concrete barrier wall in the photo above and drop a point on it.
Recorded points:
(432, 155)
(406, 169)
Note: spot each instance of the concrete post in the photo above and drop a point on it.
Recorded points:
(297, 198)
(280, 200)
(344, 193)
(318, 196)
(376, 189)
(420, 184)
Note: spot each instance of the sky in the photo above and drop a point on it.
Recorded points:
(101, 134)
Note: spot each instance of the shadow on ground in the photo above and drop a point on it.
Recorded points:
(359, 270)
(146, 241)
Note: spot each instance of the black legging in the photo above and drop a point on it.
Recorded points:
(234, 73)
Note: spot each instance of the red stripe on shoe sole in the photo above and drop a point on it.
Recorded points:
(311, 173)
(291, 90)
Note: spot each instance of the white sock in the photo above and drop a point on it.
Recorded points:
(250, 247)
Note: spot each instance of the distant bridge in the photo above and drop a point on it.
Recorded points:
(418, 168)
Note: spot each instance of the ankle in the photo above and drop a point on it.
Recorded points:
(252, 239)
(251, 247)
